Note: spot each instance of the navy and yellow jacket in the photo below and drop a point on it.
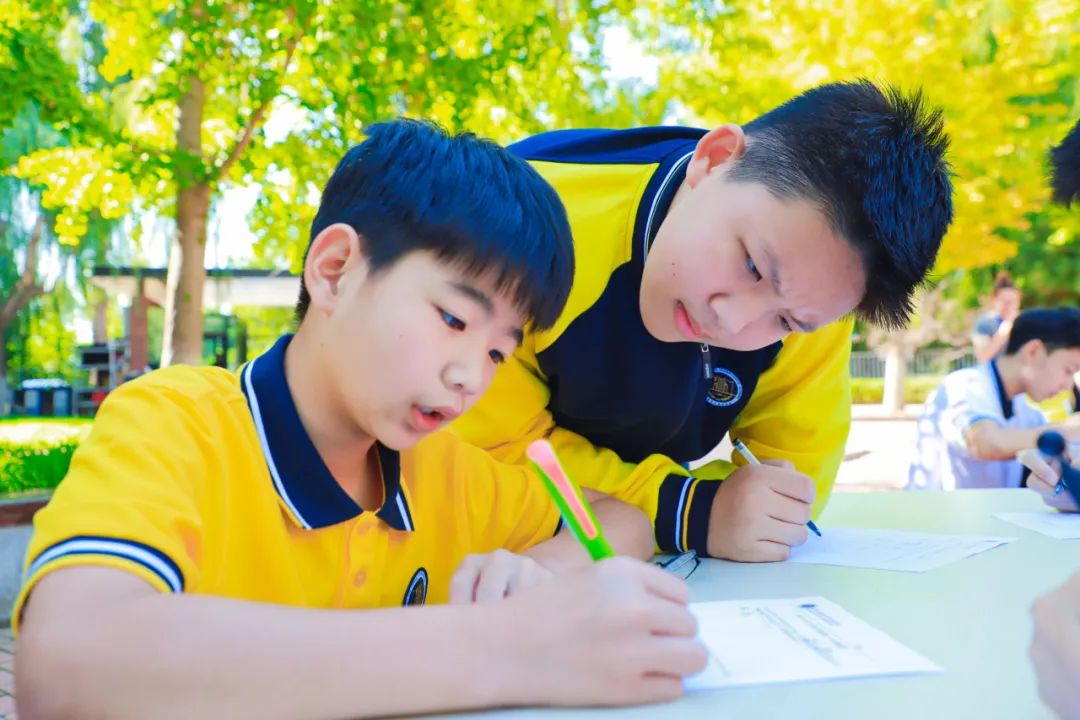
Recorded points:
(626, 412)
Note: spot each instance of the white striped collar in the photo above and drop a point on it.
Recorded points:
(301, 479)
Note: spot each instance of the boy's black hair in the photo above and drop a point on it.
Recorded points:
(874, 162)
(411, 186)
(1003, 281)
(1057, 328)
(1065, 168)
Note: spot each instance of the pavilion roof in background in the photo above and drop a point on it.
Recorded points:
(225, 287)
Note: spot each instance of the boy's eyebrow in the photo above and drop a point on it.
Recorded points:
(484, 300)
(778, 286)
(480, 297)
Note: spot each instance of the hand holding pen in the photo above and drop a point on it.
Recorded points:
(741, 448)
(1051, 472)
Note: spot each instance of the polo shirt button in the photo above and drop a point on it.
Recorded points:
(360, 578)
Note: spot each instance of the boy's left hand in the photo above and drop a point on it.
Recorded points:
(494, 576)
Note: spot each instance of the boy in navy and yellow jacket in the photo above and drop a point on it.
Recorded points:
(697, 253)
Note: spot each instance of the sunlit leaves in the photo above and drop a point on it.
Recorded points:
(1005, 72)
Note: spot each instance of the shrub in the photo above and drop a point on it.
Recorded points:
(872, 390)
(36, 456)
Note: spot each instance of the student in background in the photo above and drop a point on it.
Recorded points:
(991, 330)
(1065, 183)
(976, 421)
(1055, 644)
(241, 545)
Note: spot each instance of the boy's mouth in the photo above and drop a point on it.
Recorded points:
(686, 325)
(426, 418)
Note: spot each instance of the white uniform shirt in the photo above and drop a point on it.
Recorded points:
(965, 397)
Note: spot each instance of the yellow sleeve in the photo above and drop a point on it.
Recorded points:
(499, 505)
(801, 408)
(513, 413)
(127, 500)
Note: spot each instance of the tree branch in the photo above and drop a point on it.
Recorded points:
(26, 287)
(257, 116)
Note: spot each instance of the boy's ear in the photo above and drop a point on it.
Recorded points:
(1032, 350)
(335, 251)
(717, 147)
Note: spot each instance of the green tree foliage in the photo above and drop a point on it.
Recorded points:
(192, 84)
(1005, 71)
(163, 105)
(41, 245)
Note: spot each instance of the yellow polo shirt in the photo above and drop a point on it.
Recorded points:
(203, 481)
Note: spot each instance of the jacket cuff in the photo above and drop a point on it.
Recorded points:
(682, 513)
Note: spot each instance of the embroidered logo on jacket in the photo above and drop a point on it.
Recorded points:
(416, 593)
(726, 388)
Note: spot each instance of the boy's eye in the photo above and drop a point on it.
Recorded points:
(752, 267)
(451, 320)
(497, 357)
(784, 323)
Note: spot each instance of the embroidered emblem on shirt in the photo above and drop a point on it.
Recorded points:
(416, 594)
(726, 388)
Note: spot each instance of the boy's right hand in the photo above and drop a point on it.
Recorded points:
(1043, 480)
(760, 512)
(615, 633)
(1070, 428)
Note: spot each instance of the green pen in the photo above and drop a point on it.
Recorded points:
(571, 503)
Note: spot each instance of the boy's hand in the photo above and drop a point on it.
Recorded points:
(614, 633)
(494, 576)
(1043, 480)
(760, 512)
(1055, 648)
(1070, 428)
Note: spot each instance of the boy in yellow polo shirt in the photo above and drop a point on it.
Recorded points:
(222, 543)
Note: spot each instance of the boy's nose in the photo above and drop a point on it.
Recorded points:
(732, 315)
(464, 377)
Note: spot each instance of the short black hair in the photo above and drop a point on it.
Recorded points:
(1065, 168)
(1057, 328)
(1003, 281)
(874, 161)
(411, 186)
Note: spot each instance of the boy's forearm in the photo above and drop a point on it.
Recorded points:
(990, 347)
(626, 528)
(987, 441)
(190, 656)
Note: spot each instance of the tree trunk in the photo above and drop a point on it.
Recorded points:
(895, 372)
(101, 321)
(26, 289)
(5, 405)
(183, 333)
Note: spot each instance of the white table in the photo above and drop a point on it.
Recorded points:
(971, 617)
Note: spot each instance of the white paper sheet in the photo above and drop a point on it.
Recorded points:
(890, 549)
(755, 642)
(1063, 526)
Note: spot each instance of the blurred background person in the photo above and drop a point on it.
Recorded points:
(991, 330)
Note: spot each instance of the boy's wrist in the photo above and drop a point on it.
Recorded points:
(503, 643)
(559, 554)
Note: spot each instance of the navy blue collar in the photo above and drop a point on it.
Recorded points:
(660, 191)
(1005, 400)
(302, 480)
